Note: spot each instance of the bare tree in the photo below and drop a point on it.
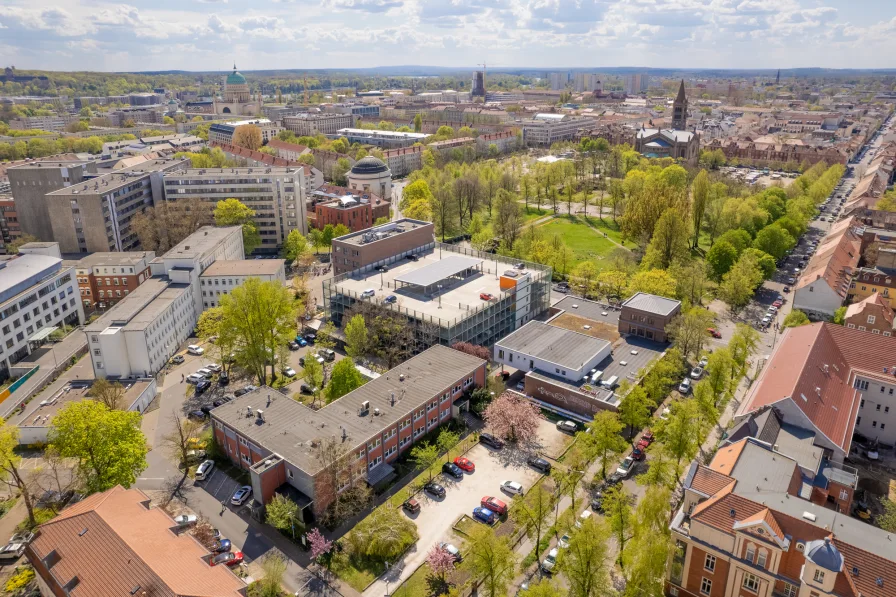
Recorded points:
(177, 444)
(339, 469)
(109, 393)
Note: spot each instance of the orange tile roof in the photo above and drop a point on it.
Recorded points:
(709, 482)
(873, 305)
(813, 366)
(835, 260)
(112, 543)
(725, 459)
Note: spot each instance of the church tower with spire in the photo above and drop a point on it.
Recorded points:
(680, 110)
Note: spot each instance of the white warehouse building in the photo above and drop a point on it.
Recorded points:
(138, 335)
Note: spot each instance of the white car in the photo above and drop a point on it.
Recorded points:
(195, 350)
(368, 292)
(582, 518)
(195, 378)
(512, 487)
(214, 368)
(550, 560)
(450, 548)
(685, 386)
(289, 372)
(204, 470)
(185, 519)
(205, 372)
(625, 469)
(563, 542)
(703, 363)
(242, 494)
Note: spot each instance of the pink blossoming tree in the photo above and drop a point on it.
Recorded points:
(512, 418)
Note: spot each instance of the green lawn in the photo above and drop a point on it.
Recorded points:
(415, 585)
(357, 575)
(534, 213)
(585, 242)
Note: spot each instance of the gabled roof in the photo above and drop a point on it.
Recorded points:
(707, 481)
(112, 542)
(813, 366)
(873, 305)
(835, 260)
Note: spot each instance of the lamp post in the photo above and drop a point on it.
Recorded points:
(439, 286)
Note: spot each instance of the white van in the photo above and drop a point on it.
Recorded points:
(204, 470)
(596, 376)
(610, 383)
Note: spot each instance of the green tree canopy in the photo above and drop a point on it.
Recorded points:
(233, 212)
(343, 379)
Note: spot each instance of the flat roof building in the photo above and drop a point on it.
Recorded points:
(357, 210)
(538, 345)
(547, 129)
(106, 278)
(30, 183)
(222, 132)
(648, 315)
(359, 249)
(384, 139)
(309, 125)
(221, 277)
(279, 440)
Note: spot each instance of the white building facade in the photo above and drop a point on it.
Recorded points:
(223, 276)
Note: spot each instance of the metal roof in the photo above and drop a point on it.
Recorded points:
(652, 303)
(553, 344)
(438, 271)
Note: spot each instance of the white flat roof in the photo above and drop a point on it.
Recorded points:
(444, 268)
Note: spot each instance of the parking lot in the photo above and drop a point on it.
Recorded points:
(438, 515)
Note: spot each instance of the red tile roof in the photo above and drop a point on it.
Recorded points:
(814, 366)
(278, 144)
(112, 543)
(708, 481)
(835, 260)
(873, 305)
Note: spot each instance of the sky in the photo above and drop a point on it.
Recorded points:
(142, 35)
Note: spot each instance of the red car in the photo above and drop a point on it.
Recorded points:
(495, 505)
(647, 436)
(777, 304)
(465, 464)
(637, 454)
(714, 332)
(486, 296)
(642, 444)
(233, 558)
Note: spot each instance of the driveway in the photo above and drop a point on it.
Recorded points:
(438, 515)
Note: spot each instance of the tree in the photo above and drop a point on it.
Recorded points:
(512, 418)
(767, 264)
(720, 258)
(418, 123)
(740, 282)
(585, 563)
(688, 329)
(584, 275)
(384, 535)
(425, 455)
(700, 197)
(634, 410)
(795, 318)
(282, 513)
(669, 243)
(257, 319)
(679, 435)
(447, 440)
(719, 378)
(273, 568)
(248, 136)
(13, 246)
(492, 559)
(295, 247)
(774, 240)
(107, 445)
(233, 212)
(11, 472)
(440, 563)
(356, 340)
(473, 349)
(508, 217)
(617, 506)
(339, 468)
(313, 374)
(655, 281)
(887, 202)
(109, 393)
(604, 441)
(737, 238)
(161, 227)
(647, 552)
(612, 283)
(743, 345)
(532, 511)
(343, 379)
(839, 316)
(178, 444)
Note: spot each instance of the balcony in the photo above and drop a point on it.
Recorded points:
(681, 523)
(841, 474)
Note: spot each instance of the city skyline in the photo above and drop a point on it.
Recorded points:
(212, 34)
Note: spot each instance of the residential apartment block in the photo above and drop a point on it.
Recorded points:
(357, 210)
(276, 194)
(825, 282)
(309, 125)
(37, 294)
(546, 129)
(872, 314)
(378, 138)
(116, 543)
(137, 336)
(221, 277)
(404, 160)
(106, 278)
(95, 215)
(279, 441)
(56, 122)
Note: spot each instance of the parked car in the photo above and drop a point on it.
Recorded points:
(195, 455)
(318, 358)
(382, 268)
(486, 296)
(223, 379)
(490, 440)
(194, 378)
(648, 435)
(434, 489)
(15, 548)
(214, 368)
(202, 386)
(637, 454)
(704, 361)
(233, 558)
(627, 467)
(685, 386)
(185, 520)
(642, 444)
(583, 517)
(306, 389)
(411, 505)
(512, 487)
(293, 345)
(222, 546)
(714, 332)
(485, 515)
(451, 469)
(412, 257)
(242, 494)
(302, 342)
(787, 289)
(243, 391)
(197, 415)
(390, 299)
(465, 464)
(368, 293)
(195, 350)
(563, 542)
(778, 303)
(452, 550)
(204, 470)
(177, 359)
(597, 501)
(494, 504)
(310, 338)
(540, 464)
(567, 426)
(327, 354)
(550, 561)
(696, 372)
(289, 372)
(205, 372)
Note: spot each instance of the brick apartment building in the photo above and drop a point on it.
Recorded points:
(279, 441)
(341, 205)
(872, 314)
(647, 315)
(358, 249)
(746, 529)
(106, 278)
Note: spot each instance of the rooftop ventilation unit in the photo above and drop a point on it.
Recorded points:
(365, 407)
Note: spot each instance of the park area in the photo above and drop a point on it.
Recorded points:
(589, 239)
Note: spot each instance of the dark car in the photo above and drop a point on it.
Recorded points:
(485, 515)
(638, 454)
(306, 389)
(411, 505)
(614, 479)
(197, 415)
(597, 502)
(223, 545)
(327, 354)
(540, 464)
(449, 468)
(412, 258)
(490, 440)
(206, 409)
(177, 359)
(390, 299)
(223, 379)
(382, 268)
(202, 386)
(243, 391)
(310, 338)
(434, 489)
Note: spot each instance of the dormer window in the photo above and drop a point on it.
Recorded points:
(819, 576)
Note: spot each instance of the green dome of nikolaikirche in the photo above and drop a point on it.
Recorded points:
(235, 78)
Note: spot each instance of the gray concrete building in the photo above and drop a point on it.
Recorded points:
(311, 124)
